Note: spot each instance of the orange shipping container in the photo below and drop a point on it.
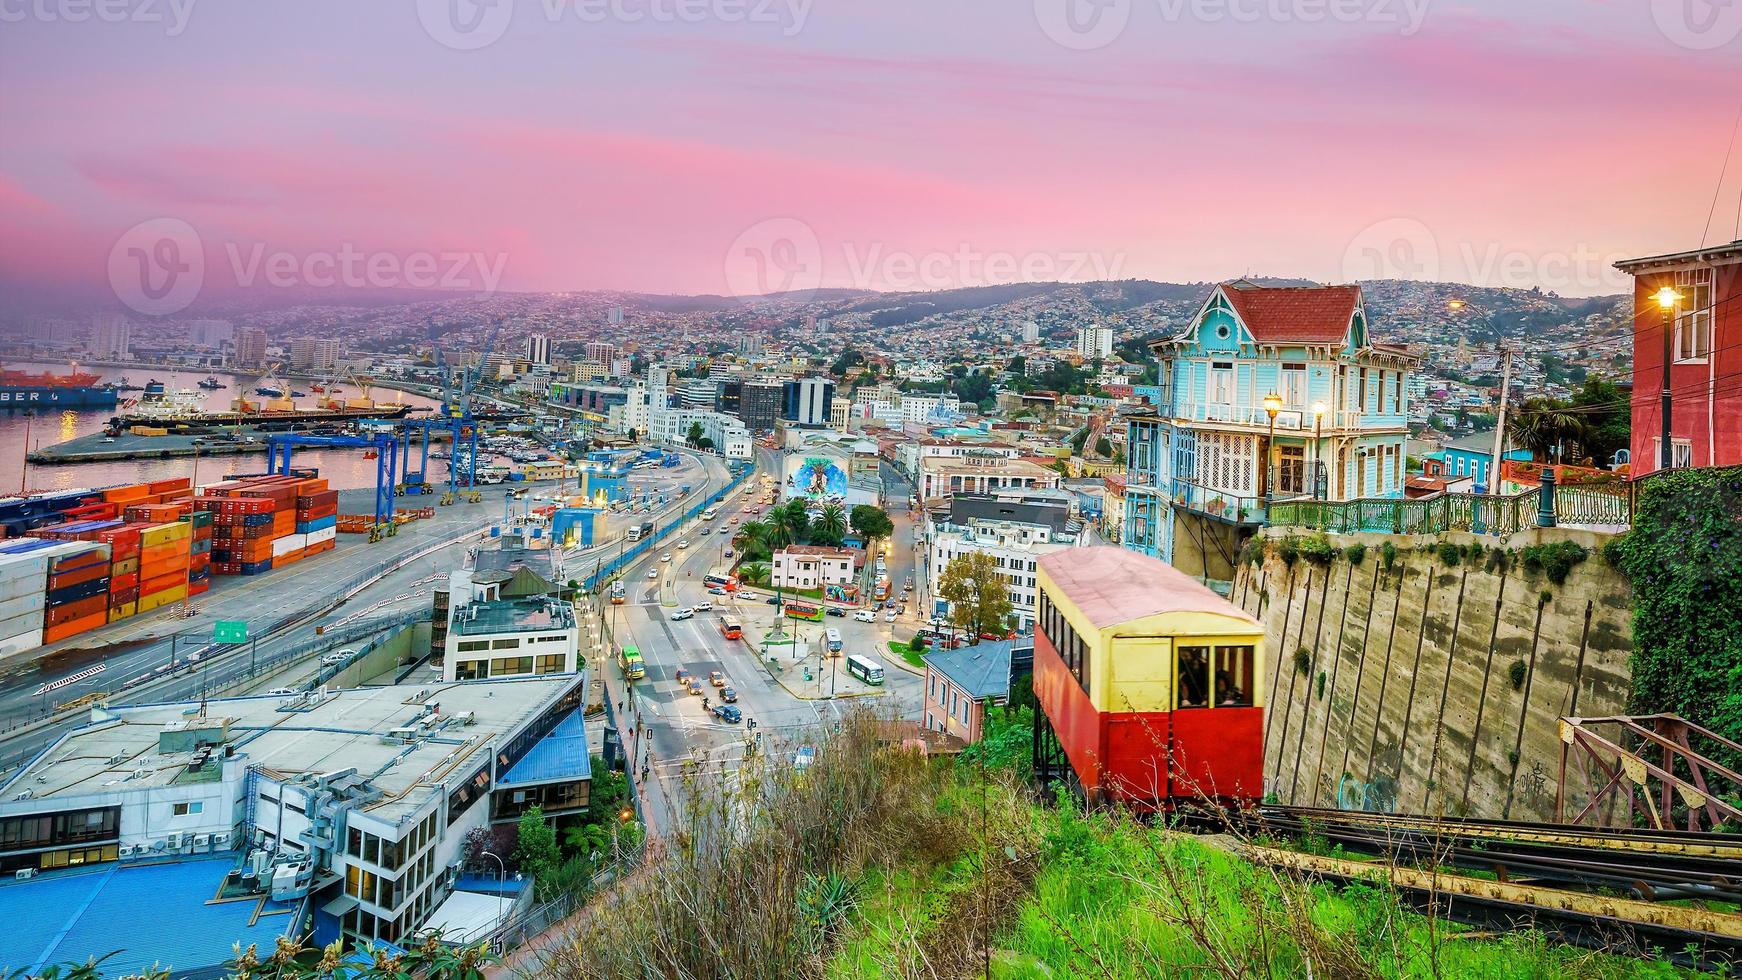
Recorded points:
(152, 586)
(158, 569)
(56, 615)
(74, 628)
(127, 494)
(61, 580)
(121, 583)
(162, 552)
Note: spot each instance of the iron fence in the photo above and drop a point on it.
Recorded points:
(1593, 505)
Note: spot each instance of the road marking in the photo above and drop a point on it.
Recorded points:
(71, 679)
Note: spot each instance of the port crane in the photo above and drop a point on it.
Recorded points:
(280, 445)
(455, 418)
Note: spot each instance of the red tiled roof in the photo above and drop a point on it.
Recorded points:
(1114, 585)
(1295, 314)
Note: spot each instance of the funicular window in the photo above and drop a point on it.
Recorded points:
(1219, 677)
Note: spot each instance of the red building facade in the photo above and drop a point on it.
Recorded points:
(1705, 376)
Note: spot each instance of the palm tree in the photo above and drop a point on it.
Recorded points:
(1541, 424)
(756, 573)
(833, 521)
(754, 538)
(790, 522)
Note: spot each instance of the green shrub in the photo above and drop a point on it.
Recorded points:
(1449, 553)
(1356, 553)
(1516, 673)
(1303, 661)
(1615, 549)
(1499, 560)
(1288, 549)
(1321, 685)
(1253, 552)
(1388, 553)
(1318, 550)
(1555, 560)
(1545, 598)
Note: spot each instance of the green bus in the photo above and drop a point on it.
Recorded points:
(804, 610)
(633, 666)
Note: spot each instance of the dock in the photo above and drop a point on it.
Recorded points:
(98, 448)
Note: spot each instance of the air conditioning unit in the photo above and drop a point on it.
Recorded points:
(221, 841)
(127, 850)
(173, 840)
(202, 840)
(25, 874)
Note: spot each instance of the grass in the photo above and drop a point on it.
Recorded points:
(906, 652)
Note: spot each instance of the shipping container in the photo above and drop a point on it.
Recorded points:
(53, 634)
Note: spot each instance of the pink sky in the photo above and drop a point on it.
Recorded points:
(902, 143)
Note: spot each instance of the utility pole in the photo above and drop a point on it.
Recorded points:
(1500, 426)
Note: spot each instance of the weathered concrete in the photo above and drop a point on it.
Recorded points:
(1418, 711)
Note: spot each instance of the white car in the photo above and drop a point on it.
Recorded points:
(890, 618)
(703, 607)
(653, 573)
(681, 614)
(337, 657)
(681, 545)
(865, 616)
(665, 557)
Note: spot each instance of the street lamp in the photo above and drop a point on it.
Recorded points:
(1272, 405)
(1318, 454)
(1667, 298)
(501, 885)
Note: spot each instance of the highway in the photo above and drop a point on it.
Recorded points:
(674, 733)
(390, 577)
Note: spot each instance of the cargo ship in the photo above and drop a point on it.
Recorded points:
(29, 390)
(181, 414)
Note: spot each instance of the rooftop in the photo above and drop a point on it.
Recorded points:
(1298, 314)
(288, 736)
(524, 615)
(560, 756)
(982, 670)
(1112, 586)
(91, 912)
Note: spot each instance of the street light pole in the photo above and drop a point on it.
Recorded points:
(501, 884)
(1666, 299)
(1272, 405)
(1318, 448)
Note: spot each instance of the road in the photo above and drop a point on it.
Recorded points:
(388, 577)
(673, 731)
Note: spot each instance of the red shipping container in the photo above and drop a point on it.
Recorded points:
(67, 612)
(123, 597)
(121, 583)
(195, 588)
(154, 585)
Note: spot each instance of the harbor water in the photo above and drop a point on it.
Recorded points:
(345, 469)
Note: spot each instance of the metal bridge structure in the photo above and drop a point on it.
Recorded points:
(280, 446)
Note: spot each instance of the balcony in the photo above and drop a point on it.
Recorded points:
(1219, 505)
(1340, 421)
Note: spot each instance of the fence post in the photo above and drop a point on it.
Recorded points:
(1545, 516)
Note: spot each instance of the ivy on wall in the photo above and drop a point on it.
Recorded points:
(1684, 559)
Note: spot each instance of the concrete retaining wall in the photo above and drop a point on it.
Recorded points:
(1418, 712)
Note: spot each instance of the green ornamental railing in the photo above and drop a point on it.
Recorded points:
(1600, 505)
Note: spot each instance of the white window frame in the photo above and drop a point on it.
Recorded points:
(1693, 317)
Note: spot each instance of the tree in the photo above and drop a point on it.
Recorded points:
(979, 597)
(871, 522)
(755, 539)
(631, 434)
(832, 521)
(849, 358)
(976, 387)
(537, 852)
(705, 444)
(755, 573)
(695, 433)
(790, 521)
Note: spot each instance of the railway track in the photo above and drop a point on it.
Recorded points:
(1667, 893)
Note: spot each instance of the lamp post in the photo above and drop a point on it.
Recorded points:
(1666, 299)
(501, 885)
(1272, 405)
(1318, 452)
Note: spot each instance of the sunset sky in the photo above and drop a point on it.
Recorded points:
(881, 143)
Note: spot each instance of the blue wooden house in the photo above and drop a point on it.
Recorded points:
(1271, 393)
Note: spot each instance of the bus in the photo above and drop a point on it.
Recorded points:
(710, 513)
(719, 580)
(869, 671)
(617, 593)
(881, 592)
(834, 640)
(633, 666)
(804, 610)
(730, 628)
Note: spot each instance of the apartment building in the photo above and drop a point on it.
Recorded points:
(489, 635)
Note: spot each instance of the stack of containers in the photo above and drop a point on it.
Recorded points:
(163, 564)
(123, 545)
(241, 532)
(317, 519)
(78, 591)
(200, 552)
(23, 580)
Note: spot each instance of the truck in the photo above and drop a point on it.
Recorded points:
(638, 532)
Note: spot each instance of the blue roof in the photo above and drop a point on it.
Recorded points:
(982, 670)
(160, 914)
(559, 756)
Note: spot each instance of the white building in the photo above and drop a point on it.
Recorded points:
(808, 567)
(671, 426)
(930, 408)
(538, 348)
(315, 353)
(492, 637)
(840, 411)
(1031, 332)
(1095, 342)
(111, 337)
(811, 401)
(1013, 545)
(976, 473)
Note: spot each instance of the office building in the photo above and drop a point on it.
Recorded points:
(807, 402)
(315, 353)
(761, 405)
(1095, 342)
(538, 349)
(490, 636)
(251, 347)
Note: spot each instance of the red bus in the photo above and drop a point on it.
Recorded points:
(730, 628)
(882, 591)
(715, 580)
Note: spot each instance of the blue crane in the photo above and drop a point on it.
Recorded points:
(280, 445)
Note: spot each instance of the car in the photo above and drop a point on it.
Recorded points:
(717, 678)
(865, 616)
(716, 590)
(703, 607)
(707, 530)
(681, 545)
(337, 657)
(773, 600)
(683, 677)
(696, 688)
(728, 552)
(686, 612)
(890, 618)
(283, 692)
(665, 557)
(729, 695)
(653, 573)
(804, 757)
(728, 713)
(835, 611)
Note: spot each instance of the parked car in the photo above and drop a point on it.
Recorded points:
(703, 607)
(283, 692)
(717, 678)
(865, 616)
(728, 713)
(729, 695)
(683, 677)
(835, 611)
(728, 552)
(678, 615)
(716, 590)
